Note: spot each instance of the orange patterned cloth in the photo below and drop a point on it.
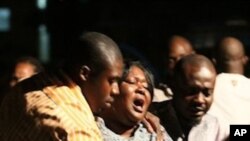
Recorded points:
(49, 113)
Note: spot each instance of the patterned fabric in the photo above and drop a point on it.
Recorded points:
(36, 112)
(140, 134)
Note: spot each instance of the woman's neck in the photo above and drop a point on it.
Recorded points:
(120, 128)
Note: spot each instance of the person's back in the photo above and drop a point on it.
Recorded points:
(230, 56)
(60, 106)
(231, 99)
(231, 84)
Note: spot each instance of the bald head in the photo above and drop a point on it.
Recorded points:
(230, 56)
(231, 48)
(177, 43)
(95, 50)
(178, 47)
(193, 62)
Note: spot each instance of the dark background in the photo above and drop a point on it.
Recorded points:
(141, 28)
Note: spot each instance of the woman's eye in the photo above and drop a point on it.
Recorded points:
(130, 81)
(145, 85)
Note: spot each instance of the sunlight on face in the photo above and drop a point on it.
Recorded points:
(22, 71)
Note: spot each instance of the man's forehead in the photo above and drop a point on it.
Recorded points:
(201, 72)
(115, 66)
(179, 50)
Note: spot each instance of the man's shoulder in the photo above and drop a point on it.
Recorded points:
(34, 83)
(209, 118)
(209, 121)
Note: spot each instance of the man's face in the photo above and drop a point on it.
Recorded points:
(195, 94)
(132, 105)
(176, 52)
(103, 88)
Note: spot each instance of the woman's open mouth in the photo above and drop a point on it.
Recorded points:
(138, 105)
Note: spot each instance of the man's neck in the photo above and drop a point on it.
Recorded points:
(185, 127)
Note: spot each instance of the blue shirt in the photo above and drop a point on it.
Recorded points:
(140, 134)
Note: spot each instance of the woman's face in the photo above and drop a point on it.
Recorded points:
(135, 98)
(23, 70)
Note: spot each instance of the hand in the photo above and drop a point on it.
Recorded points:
(152, 123)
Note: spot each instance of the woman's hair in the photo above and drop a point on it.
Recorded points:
(149, 76)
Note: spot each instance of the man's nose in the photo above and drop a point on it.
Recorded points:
(200, 98)
(115, 89)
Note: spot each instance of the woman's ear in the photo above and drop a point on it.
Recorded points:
(84, 73)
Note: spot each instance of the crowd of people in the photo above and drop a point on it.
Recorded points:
(97, 94)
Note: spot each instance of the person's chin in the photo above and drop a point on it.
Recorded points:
(107, 105)
(135, 119)
(196, 120)
(137, 116)
(197, 116)
(109, 102)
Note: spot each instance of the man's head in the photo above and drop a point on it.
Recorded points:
(230, 56)
(24, 68)
(177, 48)
(193, 92)
(96, 66)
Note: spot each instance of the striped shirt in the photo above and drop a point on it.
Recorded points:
(50, 113)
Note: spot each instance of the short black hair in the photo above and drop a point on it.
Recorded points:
(94, 50)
